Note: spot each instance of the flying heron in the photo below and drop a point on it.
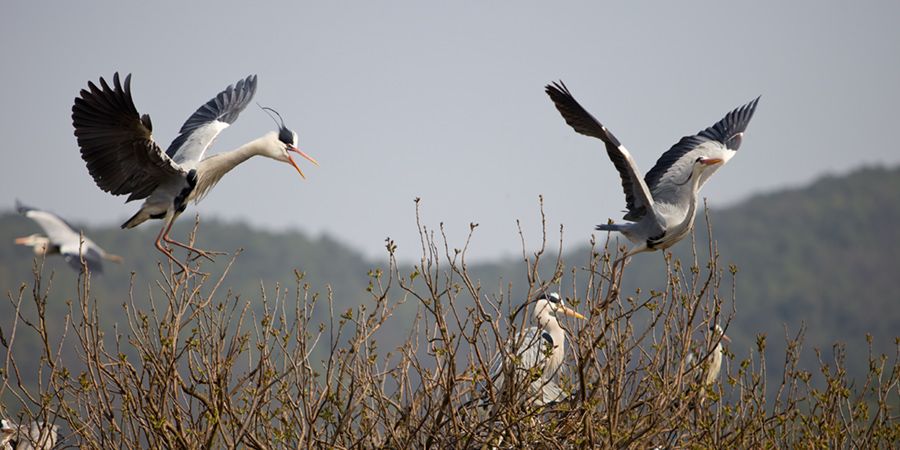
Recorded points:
(537, 353)
(62, 239)
(661, 206)
(123, 158)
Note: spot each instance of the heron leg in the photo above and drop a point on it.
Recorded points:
(164, 250)
(199, 252)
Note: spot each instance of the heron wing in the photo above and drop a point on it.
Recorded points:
(721, 140)
(92, 258)
(209, 120)
(57, 230)
(116, 142)
(526, 349)
(550, 392)
(637, 195)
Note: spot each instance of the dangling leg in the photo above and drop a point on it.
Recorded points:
(169, 240)
(169, 220)
(629, 253)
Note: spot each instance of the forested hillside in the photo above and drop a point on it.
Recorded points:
(826, 255)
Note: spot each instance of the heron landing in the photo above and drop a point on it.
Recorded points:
(123, 158)
(662, 205)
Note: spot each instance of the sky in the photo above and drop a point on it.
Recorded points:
(444, 101)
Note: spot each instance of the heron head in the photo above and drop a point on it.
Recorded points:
(549, 306)
(719, 333)
(286, 143)
(40, 243)
(6, 431)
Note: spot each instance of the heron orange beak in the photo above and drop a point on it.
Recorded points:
(572, 313)
(296, 150)
(22, 240)
(726, 338)
(711, 161)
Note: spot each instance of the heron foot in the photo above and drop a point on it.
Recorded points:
(200, 253)
(208, 254)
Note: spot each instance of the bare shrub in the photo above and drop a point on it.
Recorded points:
(195, 366)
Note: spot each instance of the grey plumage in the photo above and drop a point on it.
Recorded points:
(63, 239)
(537, 354)
(34, 436)
(662, 205)
(223, 108)
(123, 158)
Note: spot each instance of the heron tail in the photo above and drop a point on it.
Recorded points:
(609, 227)
(137, 219)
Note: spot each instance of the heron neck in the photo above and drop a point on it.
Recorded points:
(234, 157)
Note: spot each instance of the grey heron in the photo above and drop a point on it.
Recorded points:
(62, 239)
(123, 158)
(7, 433)
(713, 365)
(34, 436)
(708, 373)
(661, 206)
(537, 353)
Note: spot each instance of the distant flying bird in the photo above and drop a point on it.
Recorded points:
(62, 239)
(662, 205)
(123, 158)
(537, 352)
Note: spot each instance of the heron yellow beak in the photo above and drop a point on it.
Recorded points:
(572, 313)
(711, 161)
(296, 150)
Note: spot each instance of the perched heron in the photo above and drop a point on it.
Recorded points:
(661, 206)
(706, 376)
(537, 353)
(713, 366)
(61, 238)
(7, 433)
(34, 436)
(123, 158)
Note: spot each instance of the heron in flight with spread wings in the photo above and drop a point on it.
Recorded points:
(661, 206)
(62, 239)
(123, 158)
(537, 353)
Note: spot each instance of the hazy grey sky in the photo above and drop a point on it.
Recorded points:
(445, 102)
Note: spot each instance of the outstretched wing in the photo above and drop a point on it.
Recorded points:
(721, 140)
(64, 236)
(116, 143)
(92, 258)
(209, 120)
(637, 195)
(57, 230)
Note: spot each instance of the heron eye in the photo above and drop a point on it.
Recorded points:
(699, 159)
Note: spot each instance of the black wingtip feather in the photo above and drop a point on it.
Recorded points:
(730, 127)
(22, 209)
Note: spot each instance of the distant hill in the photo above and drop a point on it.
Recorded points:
(827, 254)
